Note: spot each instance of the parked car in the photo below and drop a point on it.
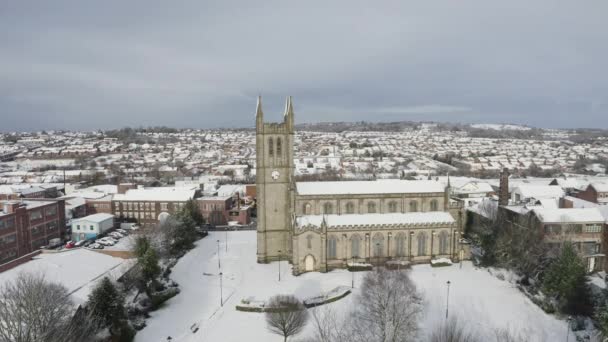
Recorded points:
(89, 242)
(110, 238)
(96, 246)
(80, 243)
(122, 231)
(70, 244)
(105, 242)
(116, 235)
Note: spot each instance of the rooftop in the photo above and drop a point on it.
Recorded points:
(100, 217)
(376, 219)
(384, 186)
(576, 215)
(157, 194)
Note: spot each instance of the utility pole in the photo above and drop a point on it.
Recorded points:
(447, 304)
(219, 265)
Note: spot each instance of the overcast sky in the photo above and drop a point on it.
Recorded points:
(105, 64)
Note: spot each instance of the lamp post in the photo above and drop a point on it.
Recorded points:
(377, 253)
(411, 237)
(352, 285)
(369, 243)
(219, 264)
(279, 265)
(221, 292)
(447, 304)
(432, 243)
(568, 328)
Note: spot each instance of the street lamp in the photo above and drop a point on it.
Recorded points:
(219, 264)
(279, 265)
(221, 292)
(432, 243)
(568, 328)
(411, 237)
(353, 272)
(377, 253)
(447, 304)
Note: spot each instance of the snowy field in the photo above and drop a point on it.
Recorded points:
(477, 297)
(78, 270)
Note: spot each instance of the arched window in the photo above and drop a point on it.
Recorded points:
(392, 207)
(434, 205)
(444, 242)
(332, 247)
(328, 208)
(307, 209)
(270, 147)
(279, 147)
(309, 241)
(422, 243)
(371, 207)
(350, 208)
(413, 206)
(355, 243)
(378, 244)
(400, 244)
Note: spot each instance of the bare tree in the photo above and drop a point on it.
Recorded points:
(286, 316)
(452, 330)
(35, 310)
(387, 308)
(328, 326)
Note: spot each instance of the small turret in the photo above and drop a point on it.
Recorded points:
(259, 115)
(289, 115)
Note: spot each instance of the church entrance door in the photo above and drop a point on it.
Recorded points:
(309, 262)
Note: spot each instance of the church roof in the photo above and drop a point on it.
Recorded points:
(383, 186)
(431, 217)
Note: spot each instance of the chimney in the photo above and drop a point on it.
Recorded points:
(10, 207)
(503, 191)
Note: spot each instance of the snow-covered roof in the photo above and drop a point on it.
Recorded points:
(157, 194)
(600, 186)
(383, 186)
(567, 215)
(539, 191)
(431, 217)
(100, 217)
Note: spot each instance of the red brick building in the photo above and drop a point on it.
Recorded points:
(595, 192)
(220, 210)
(27, 225)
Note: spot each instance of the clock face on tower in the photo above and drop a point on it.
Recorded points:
(275, 174)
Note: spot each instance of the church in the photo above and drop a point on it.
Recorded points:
(320, 226)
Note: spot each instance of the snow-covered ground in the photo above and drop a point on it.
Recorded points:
(479, 298)
(78, 270)
(500, 127)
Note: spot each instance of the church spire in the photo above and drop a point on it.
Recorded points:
(258, 110)
(288, 115)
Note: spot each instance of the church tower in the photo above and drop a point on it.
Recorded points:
(274, 184)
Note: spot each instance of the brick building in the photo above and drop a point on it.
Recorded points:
(595, 192)
(219, 210)
(146, 206)
(27, 225)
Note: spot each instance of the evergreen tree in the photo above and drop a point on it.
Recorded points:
(192, 210)
(183, 234)
(566, 280)
(142, 244)
(106, 304)
(148, 262)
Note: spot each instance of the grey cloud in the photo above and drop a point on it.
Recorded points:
(87, 65)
